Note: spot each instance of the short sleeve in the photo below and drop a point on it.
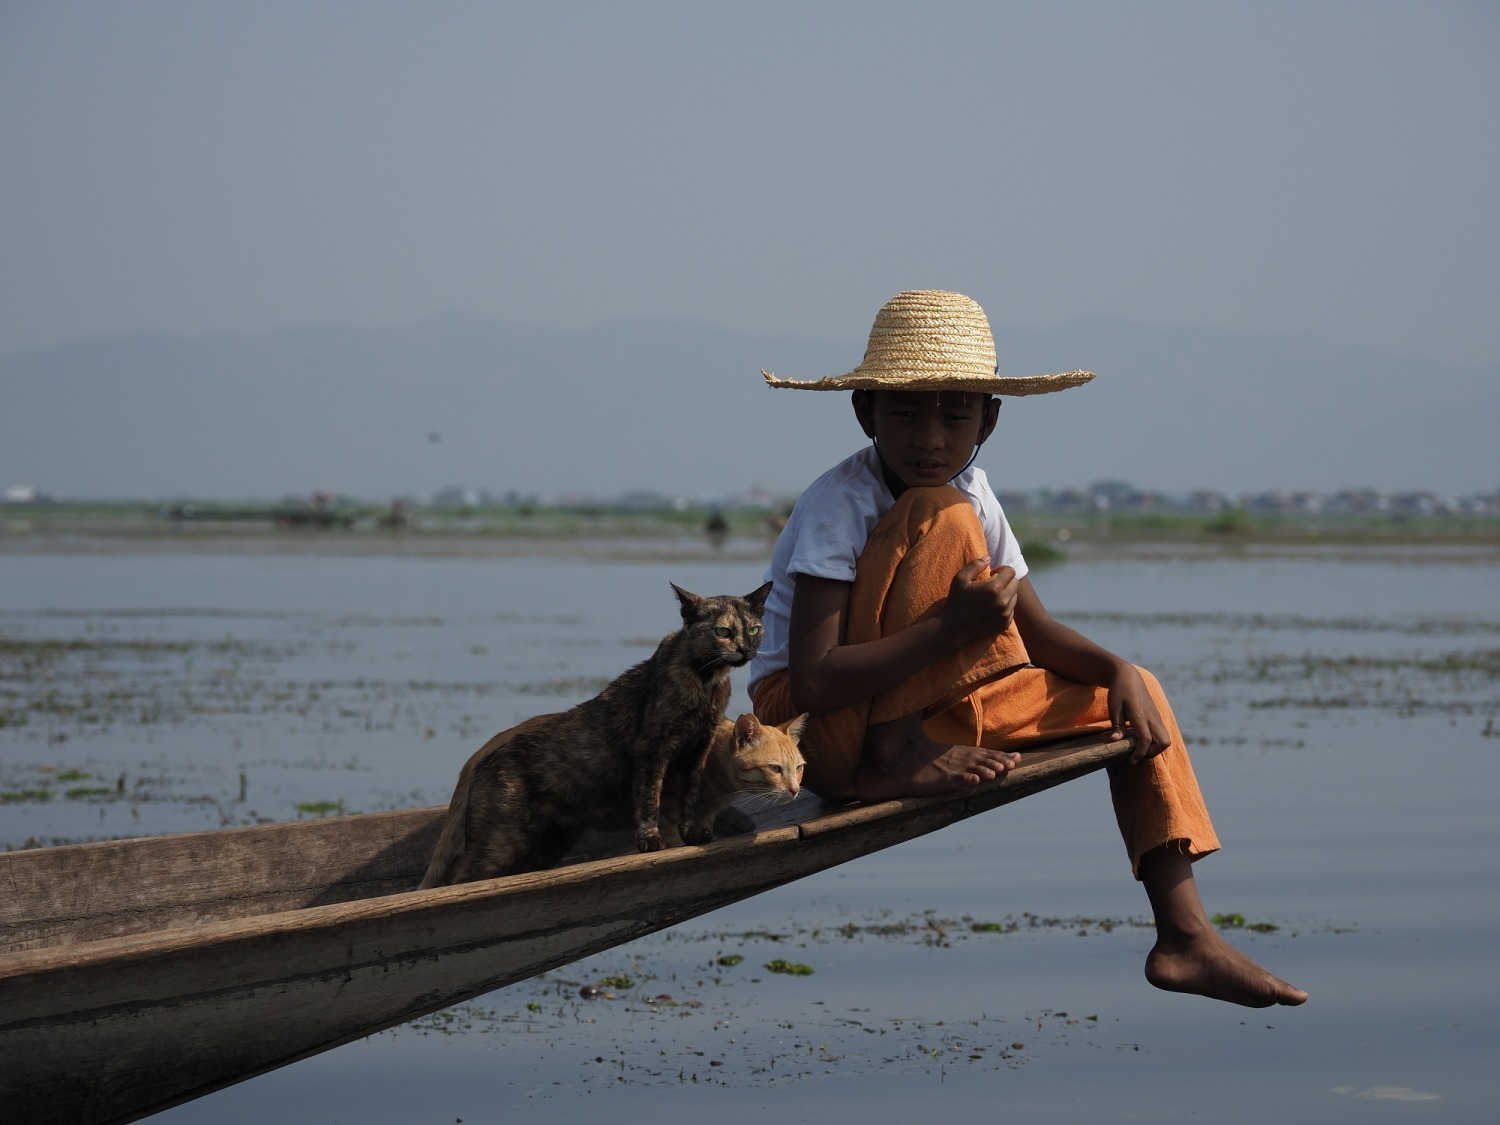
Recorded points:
(828, 541)
(1005, 548)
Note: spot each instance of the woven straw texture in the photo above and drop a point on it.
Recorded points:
(931, 340)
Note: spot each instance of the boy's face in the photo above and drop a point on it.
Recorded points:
(926, 437)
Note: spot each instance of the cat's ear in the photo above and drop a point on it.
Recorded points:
(747, 728)
(691, 603)
(795, 727)
(757, 598)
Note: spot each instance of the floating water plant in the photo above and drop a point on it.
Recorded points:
(319, 808)
(993, 927)
(789, 968)
(17, 796)
(1237, 921)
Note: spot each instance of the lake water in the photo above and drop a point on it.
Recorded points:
(1342, 707)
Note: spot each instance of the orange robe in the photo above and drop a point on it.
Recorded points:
(986, 693)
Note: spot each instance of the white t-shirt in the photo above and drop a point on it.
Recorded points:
(829, 527)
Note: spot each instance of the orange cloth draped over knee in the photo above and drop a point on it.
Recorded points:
(902, 575)
(984, 693)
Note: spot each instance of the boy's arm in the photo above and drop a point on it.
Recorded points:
(824, 673)
(1054, 646)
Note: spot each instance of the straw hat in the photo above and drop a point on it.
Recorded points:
(929, 340)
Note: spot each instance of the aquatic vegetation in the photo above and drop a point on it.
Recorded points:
(1460, 681)
(16, 796)
(83, 792)
(789, 968)
(799, 1036)
(319, 808)
(1237, 921)
(702, 1026)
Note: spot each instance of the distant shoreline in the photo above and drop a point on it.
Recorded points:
(742, 533)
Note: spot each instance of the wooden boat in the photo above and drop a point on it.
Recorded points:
(139, 974)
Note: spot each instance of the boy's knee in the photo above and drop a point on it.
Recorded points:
(919, 513)
(926, 504)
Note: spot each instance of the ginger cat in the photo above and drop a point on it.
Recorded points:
(746, 758)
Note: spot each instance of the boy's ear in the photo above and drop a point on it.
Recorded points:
(991, 417)
(864, 410)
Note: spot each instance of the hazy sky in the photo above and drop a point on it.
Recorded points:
(1328, 167)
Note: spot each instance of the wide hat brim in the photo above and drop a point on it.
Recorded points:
(933, 340)
(887, 380)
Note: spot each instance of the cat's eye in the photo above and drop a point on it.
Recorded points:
(775, 768)
(755, 630)
(723, 631)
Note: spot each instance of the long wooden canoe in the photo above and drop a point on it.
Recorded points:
(139, 974)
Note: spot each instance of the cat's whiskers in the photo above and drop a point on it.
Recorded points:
(760, 798)
(723, 658)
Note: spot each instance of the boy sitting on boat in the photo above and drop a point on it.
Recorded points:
(903, 619)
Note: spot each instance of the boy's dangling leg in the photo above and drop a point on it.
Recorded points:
(1163, 822)
(1157, 802)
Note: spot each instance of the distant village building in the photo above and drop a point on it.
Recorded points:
(22, 494)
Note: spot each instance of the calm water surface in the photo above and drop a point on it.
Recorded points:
(1343, 710)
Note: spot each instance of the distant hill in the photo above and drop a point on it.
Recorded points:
(678, 407)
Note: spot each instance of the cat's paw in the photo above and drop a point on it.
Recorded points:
(648, 841)
(696, 834)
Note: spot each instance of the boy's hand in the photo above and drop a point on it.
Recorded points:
(980, 604)
(1131, 705)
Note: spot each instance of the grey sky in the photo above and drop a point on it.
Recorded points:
(1325, 170)
(1326, 167)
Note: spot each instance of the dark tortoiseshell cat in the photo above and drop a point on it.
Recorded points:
(526, 796)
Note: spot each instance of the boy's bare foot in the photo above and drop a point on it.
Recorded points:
(901, 761)
(1190, 955)
(1210, 966)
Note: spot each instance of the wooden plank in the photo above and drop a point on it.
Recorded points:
(87, 892)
